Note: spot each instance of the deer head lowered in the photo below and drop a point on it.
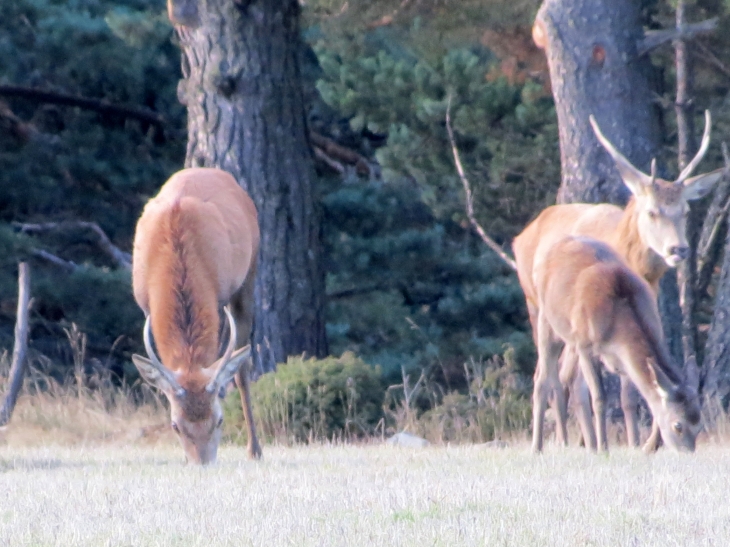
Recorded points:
(592, 301)
(649, 234)
(195, 250)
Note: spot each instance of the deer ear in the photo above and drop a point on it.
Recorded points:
(163, 380)
(225, 371)
(699, 186)
(659, 381)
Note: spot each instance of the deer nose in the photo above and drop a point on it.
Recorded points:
(682, 252)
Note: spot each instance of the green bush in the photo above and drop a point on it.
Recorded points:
(310, 399)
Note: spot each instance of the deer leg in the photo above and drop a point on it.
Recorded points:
(546, 377)
(573, 382)
(244, 388)
(654, 441)
(584, 411)
(242, 307)
(591, 374)
(629, 404)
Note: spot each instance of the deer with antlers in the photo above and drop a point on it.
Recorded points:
(591, 300)
(194, 261)
(649, 234)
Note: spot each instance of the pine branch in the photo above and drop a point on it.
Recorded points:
(469, 198)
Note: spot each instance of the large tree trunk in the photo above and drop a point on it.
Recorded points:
(243, 90)
(595, 68)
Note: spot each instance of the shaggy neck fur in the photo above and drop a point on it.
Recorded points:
(183, 302)
(641, 259)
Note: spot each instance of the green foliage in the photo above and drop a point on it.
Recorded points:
(506, 134)
(77, 164)
(310, 399)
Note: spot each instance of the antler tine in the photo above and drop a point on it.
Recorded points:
(653, 171)
(691, 166)
(624, 166)
(147, 336)
(231, 337)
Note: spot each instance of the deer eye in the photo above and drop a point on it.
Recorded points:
(175, 428)
(220, 422)
(653, 214)
(677, 427)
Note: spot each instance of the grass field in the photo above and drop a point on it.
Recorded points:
(371, 495)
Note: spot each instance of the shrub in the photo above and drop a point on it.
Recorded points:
(311, 399)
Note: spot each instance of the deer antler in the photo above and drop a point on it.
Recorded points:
(691, 166)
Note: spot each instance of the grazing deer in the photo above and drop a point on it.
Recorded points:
(194, 260)
(590, 299)
(649, 234)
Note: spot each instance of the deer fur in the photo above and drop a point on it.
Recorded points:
(194, 259)
(649, 234)
(591, 300)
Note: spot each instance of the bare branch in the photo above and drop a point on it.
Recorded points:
(469, 199)
(333, 164)
(716, 213)
(122, 259)
(20, 347)
(712, 58)
(97, 105)
(65, 265)
(655, 38)
(338, 153)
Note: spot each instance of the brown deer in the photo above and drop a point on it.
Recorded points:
(194, 260)
(591, 300)
(649, 234)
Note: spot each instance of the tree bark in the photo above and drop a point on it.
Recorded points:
(243, 90)
(591, 46)
(20, 347)
(684, 108)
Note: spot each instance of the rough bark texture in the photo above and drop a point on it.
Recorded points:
(242, 87)
(686, 278)
(20, 347)
(591, 46)
(595, 68)
(717, 350)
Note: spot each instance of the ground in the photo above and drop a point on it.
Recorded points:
(123, 493)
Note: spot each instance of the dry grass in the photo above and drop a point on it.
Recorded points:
(363, 495)
(79, 468)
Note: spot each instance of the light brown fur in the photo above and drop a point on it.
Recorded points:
(649, 234)
(195, 251)
(590, 299)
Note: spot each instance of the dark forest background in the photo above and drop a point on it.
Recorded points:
(410, 286)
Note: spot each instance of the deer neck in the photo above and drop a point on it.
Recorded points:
(183, 309)
(639, 257)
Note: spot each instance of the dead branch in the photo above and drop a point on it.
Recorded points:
(98, 105)
(716, 213)
(712, 58)
(387, 19)
(122, 259)
(23, 131)
(469, 198)
(332, 164)
(338, 153)
(20, 347)
(66, 265)
(655, 38)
